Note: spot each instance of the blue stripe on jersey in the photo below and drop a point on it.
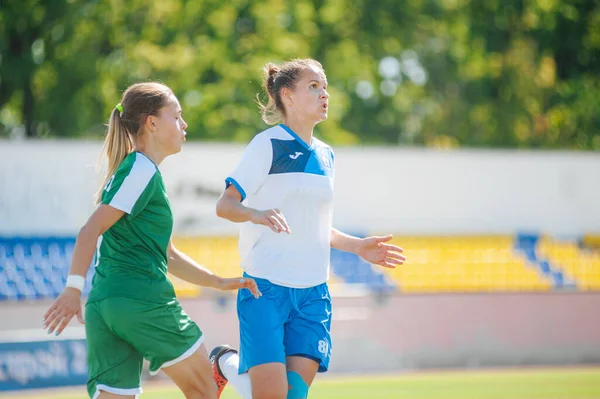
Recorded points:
(290, 156)
(318, 162)
(229, 181)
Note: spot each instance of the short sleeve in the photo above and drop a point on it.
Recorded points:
(332, 155)
(131, 188)
(253, 168)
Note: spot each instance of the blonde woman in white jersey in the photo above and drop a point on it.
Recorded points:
(282, 193)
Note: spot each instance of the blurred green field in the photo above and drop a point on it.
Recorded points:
(509, 384)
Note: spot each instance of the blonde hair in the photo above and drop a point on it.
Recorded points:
(276, 78)
(139, 101)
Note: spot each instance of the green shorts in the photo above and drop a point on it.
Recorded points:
(121, 332)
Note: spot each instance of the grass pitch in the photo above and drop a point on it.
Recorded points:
(490, 384)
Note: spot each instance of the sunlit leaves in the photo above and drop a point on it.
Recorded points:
(441, 73)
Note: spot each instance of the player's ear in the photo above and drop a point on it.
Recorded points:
(150, 123)
(286, 96)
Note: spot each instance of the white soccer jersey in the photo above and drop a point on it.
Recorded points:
(279, 170)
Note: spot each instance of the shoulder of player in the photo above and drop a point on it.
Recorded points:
(136, 164)
(274, 132)
(321, 144)
(279, 133)
(263, 140)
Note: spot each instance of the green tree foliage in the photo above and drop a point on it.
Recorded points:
(439, 73)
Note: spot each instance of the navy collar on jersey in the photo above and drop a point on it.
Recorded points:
(294, 135)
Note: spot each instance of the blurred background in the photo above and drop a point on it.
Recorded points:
(470, 129)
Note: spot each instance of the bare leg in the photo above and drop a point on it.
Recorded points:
(194, 376)
(269, 381)
(307, 370)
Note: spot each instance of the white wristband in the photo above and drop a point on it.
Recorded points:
(75, 281)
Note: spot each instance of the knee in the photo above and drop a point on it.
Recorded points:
(200, 390)
(270, 391)
(298, 388)
(295, 388)
(269, 395)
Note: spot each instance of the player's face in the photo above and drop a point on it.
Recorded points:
(310, 98)
(171, 127)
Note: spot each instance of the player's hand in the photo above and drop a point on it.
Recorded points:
(375, 250)
(273, 219)
(239, 283)
(67, 305)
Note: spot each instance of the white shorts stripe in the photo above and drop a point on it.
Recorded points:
(185, 355)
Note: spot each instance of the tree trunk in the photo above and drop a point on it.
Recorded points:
(28, 103)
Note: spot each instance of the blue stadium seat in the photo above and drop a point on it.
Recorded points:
(35, 267)
(352, 270)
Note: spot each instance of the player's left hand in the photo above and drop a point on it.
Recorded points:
(67, 305)
(375, 250)
(239, 283)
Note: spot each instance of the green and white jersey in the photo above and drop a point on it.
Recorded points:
(131, 257)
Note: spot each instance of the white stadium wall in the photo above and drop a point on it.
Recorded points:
(46, 188)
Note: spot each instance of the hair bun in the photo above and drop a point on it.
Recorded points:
(272, 69)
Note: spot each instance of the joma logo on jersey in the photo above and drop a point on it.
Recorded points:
(296, 155)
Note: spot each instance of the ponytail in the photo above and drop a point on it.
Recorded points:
(273, 111)
(117, 145)
(271, 72)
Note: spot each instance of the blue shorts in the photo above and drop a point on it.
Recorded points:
(284, 322)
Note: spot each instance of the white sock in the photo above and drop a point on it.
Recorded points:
(229, 364)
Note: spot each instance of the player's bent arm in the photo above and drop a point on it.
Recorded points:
(344, 242)
(230, 206)
(185, 268)
(101, 220)
(68, 303)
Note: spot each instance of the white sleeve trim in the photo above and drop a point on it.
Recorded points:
(134, 184)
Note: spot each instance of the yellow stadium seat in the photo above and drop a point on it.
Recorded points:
(464, 264)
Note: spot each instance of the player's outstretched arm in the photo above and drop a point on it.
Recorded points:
(372, 249)
(185, 268)
(68, 303)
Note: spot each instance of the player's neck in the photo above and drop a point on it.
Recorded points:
(302, 129)
(154, 156)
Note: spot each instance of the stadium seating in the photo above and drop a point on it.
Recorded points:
(221, 254)
(578, 262)
(465, 264)
(36, 267)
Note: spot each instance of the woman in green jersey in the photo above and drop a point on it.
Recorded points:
(132, 312)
